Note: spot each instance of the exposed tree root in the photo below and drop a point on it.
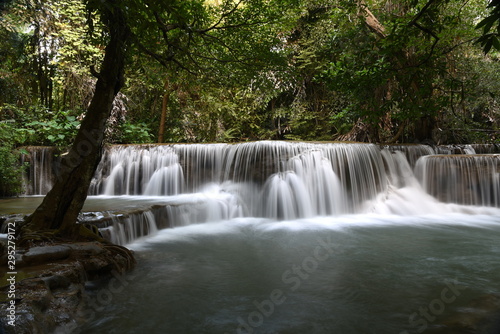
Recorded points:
(29, 237)
(124, 252)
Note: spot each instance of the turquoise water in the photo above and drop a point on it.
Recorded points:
(349, 274)
(393, 251)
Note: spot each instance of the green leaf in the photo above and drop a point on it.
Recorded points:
(487, 23)
(487, 46)
(496, 43)
(493, 3)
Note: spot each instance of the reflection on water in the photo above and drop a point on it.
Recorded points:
(350, 274)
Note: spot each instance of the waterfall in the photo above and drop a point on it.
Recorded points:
(167, 180)
(44, 163)
(463, 179)
(122, 229)
(313, 179)
(194, 183)
(414, 152)
(130, 170)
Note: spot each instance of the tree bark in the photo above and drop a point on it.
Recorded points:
(164, 107)
(371, 21)
(61, 206)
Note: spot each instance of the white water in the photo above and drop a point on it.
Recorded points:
(350, 274)
(289, 180)
(300, 238)
(39, 179)
(472, 180)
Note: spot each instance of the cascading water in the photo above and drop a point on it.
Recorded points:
(467, 179)
(123, 229)
(44, 163)
(316, 238)
(290, 180)
(127, 170)
(414, 152)
(333, 178)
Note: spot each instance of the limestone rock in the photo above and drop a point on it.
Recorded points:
(42, 254)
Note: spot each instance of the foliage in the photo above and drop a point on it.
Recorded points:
(255, 69)
(10, 168)
(393, 64)
(14, 66)
(48, 43)
(220, 89)
(134, 133)
(490, 39)
(58, 130)
(39, 126)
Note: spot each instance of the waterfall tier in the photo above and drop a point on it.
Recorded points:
(43, 162)
(285, 179)
(270, 179)
(462, 179)
(281, 180)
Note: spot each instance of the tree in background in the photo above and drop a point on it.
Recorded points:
(374, 71)
(207, 95)
(181, 32)
(386, 71)
(350, 70)
(57, 49)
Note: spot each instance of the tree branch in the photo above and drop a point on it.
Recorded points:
(371, 21)
(223, 16)
(419, 14)
(436, 40)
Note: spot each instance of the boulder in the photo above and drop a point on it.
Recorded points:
(43, 254)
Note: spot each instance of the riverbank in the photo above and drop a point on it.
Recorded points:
(45, 289)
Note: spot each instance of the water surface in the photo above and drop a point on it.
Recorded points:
(350, 274)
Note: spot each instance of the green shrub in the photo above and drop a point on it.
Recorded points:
(10, 167)
(57, 129)
(134, 133)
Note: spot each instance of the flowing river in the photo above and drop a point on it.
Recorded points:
(276, 237)
(350, 275)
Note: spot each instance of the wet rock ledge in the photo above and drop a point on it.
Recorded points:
(50, 284)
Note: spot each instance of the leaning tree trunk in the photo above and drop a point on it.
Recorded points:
(61, 206)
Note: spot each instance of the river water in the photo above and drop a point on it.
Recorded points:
(294, 238)
(349, 274)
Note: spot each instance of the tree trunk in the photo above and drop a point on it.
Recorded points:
(164, 108)
(425, 125)
(61, 206)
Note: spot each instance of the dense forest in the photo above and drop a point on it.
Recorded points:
(227, 71)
